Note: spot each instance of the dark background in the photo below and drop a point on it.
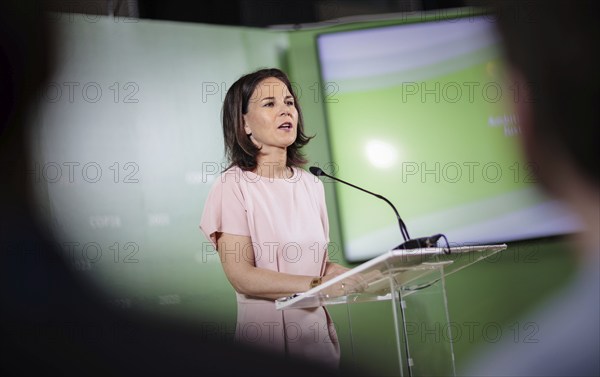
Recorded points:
(254, 13)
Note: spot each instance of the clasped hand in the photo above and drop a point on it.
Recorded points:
(354, 284)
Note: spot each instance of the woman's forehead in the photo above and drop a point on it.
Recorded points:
(270, 87)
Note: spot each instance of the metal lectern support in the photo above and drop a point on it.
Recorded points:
(414, 282)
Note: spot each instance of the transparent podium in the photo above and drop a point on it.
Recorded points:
(414, 282)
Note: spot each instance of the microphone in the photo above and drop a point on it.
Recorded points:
(408, 243)
(319, 172)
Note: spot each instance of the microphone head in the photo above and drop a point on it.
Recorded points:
(316, 171)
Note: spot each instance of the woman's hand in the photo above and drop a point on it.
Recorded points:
(334, 268)
(344, 287)
(354, 284)
(337, 289)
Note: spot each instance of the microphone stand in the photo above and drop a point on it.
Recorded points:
(408, 244)
(403, 230)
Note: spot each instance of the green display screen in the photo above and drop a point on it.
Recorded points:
(422, 113)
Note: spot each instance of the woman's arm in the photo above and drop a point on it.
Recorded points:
(237, 258)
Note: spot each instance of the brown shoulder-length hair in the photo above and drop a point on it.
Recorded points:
(240, 150)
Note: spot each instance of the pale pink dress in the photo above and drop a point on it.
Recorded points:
(287, 222)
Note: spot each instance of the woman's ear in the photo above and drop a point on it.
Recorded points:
(247, 129)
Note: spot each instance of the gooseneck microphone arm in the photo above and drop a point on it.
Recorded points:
(319, 172)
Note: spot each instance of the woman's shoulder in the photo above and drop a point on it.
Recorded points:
(231, 174)
(226, 185)
(237, 174)
(227, 178)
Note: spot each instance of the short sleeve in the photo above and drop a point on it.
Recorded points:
(224, 210)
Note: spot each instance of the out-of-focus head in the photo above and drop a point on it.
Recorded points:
(26, 63)
(550, 46)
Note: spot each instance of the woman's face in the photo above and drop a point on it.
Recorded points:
(272, 117)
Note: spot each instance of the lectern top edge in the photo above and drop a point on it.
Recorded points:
(403, 260)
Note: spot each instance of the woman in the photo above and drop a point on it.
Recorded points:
(268, 219)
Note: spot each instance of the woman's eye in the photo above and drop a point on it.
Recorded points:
(290, 103)
(269, 104)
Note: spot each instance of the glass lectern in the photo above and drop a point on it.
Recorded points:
(414, 282)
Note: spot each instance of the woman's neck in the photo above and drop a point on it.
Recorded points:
(273, 166)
